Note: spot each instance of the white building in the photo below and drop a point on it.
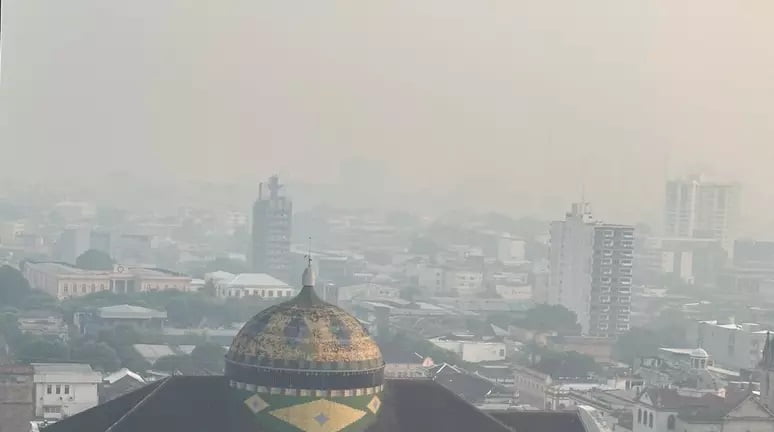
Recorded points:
(696, 207)
(430, 280)
(591, 271)
(63, 390)
(667, 410)
(472, 351)
(463, 282)
(64, 280)
(510, 249)
(731, 345)
(254, 284)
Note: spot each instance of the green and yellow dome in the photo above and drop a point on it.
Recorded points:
(306, 365)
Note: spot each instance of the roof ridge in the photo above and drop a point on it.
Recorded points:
(138, 404)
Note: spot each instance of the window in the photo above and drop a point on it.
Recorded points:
(102, 287)
(58, 389)
(67, 389)
(271, 293)
(66, 290)
(639, 415)
(48, 389)
(650, 420)
(671, 422)
(93, 287)
(83, 288)
(52, 409)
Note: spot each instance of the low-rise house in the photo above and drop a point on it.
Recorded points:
(112, 316)
(64, 389)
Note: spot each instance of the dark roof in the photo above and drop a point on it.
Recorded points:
(468, 386)
(189, 403)
(393, 352)
(549, 421)
(705, 408)
(108, 392)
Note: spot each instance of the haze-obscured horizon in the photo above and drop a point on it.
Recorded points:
(505, 105)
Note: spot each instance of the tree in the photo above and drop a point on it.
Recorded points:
(34, 349)
(569, 364)
(542, 318)
(99, 355)
(209, 288)
(180, 363)
(14, 288)
(209, 357)
(94, 259)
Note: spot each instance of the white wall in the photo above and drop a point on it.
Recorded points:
(474, 352)
(77, 392)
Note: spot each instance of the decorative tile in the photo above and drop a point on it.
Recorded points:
(256, 404)
(375, 404)
(320, 415)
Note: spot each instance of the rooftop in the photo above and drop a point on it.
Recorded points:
(58, 368)
(256, 279)
(126, 311)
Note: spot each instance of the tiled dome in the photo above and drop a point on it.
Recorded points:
(305, 334)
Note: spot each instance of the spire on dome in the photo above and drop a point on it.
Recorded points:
(767, 360)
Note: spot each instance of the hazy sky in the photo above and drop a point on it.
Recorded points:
(524, 99)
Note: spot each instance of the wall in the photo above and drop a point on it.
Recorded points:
(17, 400)
(80, 398)
(474, 352)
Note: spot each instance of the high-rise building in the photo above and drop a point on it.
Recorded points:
(591, 271)
(272, 216)
(699, 208)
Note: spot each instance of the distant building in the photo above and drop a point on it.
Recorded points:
(699, 208)
(272, 217)
(668, 409)
(472, 351)
(254, 284)
(750, 253)
(112, 316)
(591, 271)
(64, 389)
(693, 261)
(731, 345)
(64, 280)
(119, 383)
(73, 242)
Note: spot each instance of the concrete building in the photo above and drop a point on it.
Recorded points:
(11, 232)
(693, 261)
(64, 280)
(110, 317)
(472, 351)
(254, 284)
(696, 207)
(667, 409)
(591, 271)
(63, 389)
(73, 241)
(17, 398)
(272, 216)
(733, 346)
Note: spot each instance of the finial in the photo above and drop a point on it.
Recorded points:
(307, 279)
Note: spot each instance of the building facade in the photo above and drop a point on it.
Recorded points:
(695, 207)
(253, 284)
(271, 230)
(591, 270)
(63, 389)
(65, 281)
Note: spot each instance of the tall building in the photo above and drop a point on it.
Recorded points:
(699, 208)
(272, 216)
(591, 271)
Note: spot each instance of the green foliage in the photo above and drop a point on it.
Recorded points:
(568, 364)
(542, 317)
(14, 288)
(209, 357)
(94, 259)
(99, 355)
(209, 289)
(180, 363)
(35, 349)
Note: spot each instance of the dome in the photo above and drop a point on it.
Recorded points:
(699, 353)
(305, 334)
